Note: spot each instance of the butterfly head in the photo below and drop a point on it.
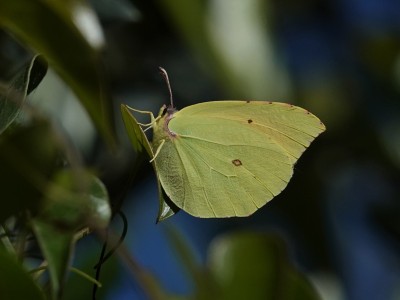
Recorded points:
(165, 115)
(167, 111)
(170, 110)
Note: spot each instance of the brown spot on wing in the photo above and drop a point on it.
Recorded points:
(237, 162)
(249, 121)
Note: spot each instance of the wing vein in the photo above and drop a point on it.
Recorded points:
(211, 169)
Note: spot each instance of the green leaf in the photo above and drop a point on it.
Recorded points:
(28, 159)
(12, 96)
(15, 282)
(56, 246)
(256, 266)
(136, 135)
(99, 214)
(76, 199)
(68, 34)
(142, 146)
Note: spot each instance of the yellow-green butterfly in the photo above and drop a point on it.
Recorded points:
(225, 158)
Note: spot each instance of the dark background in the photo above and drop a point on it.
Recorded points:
(339, 215)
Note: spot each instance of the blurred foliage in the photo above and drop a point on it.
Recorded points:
(28, 158)
(15, 282)
(40, 196)
(259, 268)
(245, 62)
(68, 34)
(244, 265)
(339, 215)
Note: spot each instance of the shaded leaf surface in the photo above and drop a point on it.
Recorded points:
(15, 282)
(28, 159)
(56, 246)
(75, 199)
(256, 266)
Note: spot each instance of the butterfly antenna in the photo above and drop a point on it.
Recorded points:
(165, 75)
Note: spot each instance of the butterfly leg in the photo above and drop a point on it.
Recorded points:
(150, 125)
(140, 111)
(158, 150)
(153, 120)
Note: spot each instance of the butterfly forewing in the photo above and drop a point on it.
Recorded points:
(290, 127)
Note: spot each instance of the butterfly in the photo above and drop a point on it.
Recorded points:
(223, 158)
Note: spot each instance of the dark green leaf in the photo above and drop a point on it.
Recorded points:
(76, 199)
(13, 95)
(15, 282)
(68, 34)
(37, 72)
(57, 246)
(28, 159)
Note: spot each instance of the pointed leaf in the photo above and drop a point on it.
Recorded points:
(13, 96)
(56, 246)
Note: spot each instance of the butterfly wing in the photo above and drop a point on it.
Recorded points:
(229, 158)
